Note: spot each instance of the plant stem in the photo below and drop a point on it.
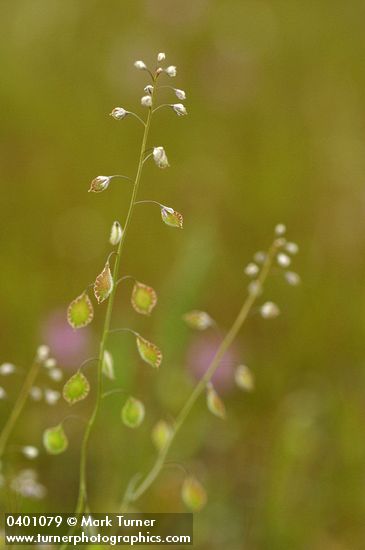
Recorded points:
(134, 494)
(18, 407)
(82, 497)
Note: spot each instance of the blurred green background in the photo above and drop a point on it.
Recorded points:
(275, 133)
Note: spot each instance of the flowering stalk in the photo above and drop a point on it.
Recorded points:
(136, 490)
(82, 497)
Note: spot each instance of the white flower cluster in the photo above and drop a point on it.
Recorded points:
(283, 257)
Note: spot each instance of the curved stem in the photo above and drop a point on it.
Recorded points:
(136, 493)
(151, 202)
(18, 407)
(137, 117)
(82, 497)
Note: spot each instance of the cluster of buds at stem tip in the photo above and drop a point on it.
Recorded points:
(160, 157)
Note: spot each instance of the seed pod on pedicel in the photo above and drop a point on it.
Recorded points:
(80, 312)
(161, 434)
(133, 413)
(193, 494)
(103, 285)
(215, 403)
(171, 217)
(144, 298)
(149, 352)
(55, 440)
(76, 388)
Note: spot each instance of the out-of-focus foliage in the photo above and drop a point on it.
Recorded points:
(275, 132)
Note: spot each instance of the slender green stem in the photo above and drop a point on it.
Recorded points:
(133, 494)
(82, 497)
(18, 407)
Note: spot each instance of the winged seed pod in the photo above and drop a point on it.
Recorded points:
(103, 285)
(55, 440)
(143, 299)
(214, 402)
(244, 378)
(133, 413)
(161, 434)
(99, 184)
(108, 365)
(116, 233)
(76, 388)
(149, 352)
(171, 217)
(193, 494)
(80, 312)
(199, 320)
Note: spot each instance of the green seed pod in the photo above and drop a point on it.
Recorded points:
(144, 298)
(80, 312)
(103, 285)
(76, 388)
(171, 217)
(133, 413)
(161, 434)
(193, 494)
(149, 352)
(55, 440)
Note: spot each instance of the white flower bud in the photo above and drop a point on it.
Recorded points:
(116, 233)
(260, 257)
(55, 374)
(51, 396)
(6, 369)
(255, 288)
(171, 71)
(146, 101)
(180, 94)
(160, 158)
(292, 248)
(119, 113)
(280, 229)
(161, 57)
(251, 269)
(99, 184)
(148, 89)
(292, 278)
(2, 393)
(30, 452)
(269, 310)
(42, 353)
(35, 393)
(50, 363)
(140, 65)
(179, 109)
(283, 260)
